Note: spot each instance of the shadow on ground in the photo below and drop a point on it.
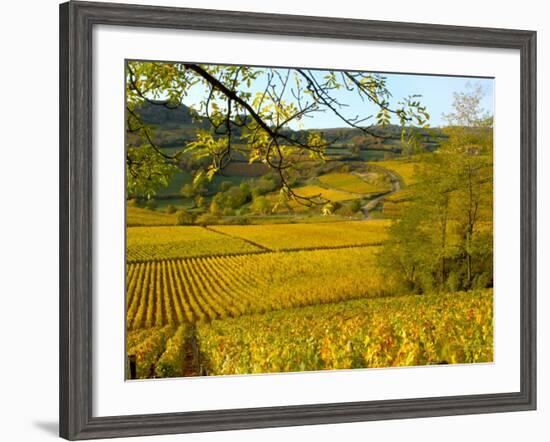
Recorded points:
(50, 427)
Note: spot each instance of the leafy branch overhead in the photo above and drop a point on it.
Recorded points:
(256, 113)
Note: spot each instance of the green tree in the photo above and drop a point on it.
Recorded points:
(188, 191)
(261, 205)
(226, 185)
(444, 239)
(470, 144)
(199, 186)
(200, 201)
(151, 204)
(355, 206)
(183, 217)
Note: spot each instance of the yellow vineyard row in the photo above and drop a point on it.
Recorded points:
(311, 235)
(397, 331)
(201, 289)
(401, 331)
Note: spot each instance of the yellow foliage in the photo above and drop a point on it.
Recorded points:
(197, 289)
(311, 235)
(328, 194)
(136, 216)
(394, 204)
(404, 168)
(352, 183)
(387, 332)
(154, 243)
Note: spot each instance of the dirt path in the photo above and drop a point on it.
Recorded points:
(192, 364)
(395, 187)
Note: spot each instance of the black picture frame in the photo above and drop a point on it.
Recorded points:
(77, 20)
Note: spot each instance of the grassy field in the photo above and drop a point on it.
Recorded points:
(179, 178)
(328, 194)
(136, 216)
(178, 203)
(235, 173)
(244, 169)
(348, 182)
(309, 236)
(404, 168)
(143, 243)
(198, 289)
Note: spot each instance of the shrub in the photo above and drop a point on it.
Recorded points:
(207, 219)
(264, 185)
(355, 206)
(187, 191)
(239, 220)
(170, 364)
(183, 217)
(345, 168)
(151, 204)
(200, 201)
(170, 208)
(226, 185)
(136, 202)
(345, 210)
(261, 205)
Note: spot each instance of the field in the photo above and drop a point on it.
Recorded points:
(201, 289)
(254, 312)
(136, 216)
(236, 299)
(245, 170)
(309, 236)
(143, 244)
(348, 182)
(404, 168)
(180, 178)
(381, 332)
(328, 194)
(385, 332)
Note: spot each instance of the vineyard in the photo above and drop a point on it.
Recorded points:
(233, 299)
(399, 331)
(318, 191)
(352, 183)
(309, 236)
(136, 216)
(402, 331)
(183, 291)
(260, 241)
(404, 168)
(143, 244)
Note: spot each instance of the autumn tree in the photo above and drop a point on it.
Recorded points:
(470, 146)
(444, 239)
(257, 107)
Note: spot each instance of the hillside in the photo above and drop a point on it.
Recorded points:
(176, 127)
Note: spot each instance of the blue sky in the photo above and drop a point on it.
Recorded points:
(436, 94)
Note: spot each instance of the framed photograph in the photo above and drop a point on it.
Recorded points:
(271, 220)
